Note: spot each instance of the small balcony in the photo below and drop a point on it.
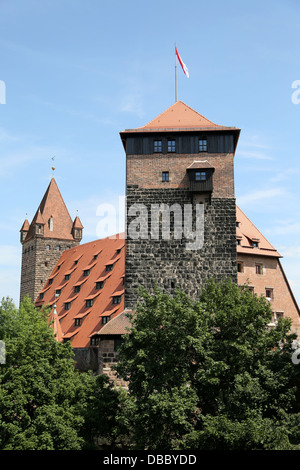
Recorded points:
(201, 177)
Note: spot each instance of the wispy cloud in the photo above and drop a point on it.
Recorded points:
(254, 148)
(260, 195)
(286, 228)
(254, 154)
(285, 174)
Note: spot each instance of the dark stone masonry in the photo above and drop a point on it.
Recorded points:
(168, 263)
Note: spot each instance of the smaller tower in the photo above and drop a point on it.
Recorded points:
(51, 232)
(24, 230)
(77, 229)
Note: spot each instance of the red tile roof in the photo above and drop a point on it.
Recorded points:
(177, 117)
(25, 226)
(102, 298)
(247, 233)
(200, 164)
(118, 326)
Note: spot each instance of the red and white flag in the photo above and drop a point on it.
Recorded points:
(184, 67)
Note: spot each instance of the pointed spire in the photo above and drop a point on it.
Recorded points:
(55, 323)
(53, 214)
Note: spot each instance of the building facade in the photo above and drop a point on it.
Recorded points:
(259, 267)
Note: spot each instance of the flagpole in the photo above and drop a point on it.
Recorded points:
(175, 75)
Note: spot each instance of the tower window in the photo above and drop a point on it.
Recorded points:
(50, 224)
(171, 146)
(200, 176)
(165, 176)
(157, 146)
(203, 145)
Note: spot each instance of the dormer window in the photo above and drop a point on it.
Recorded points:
(77, 321)
(76, 289)
(100, 285)
(109, 267)
(117, 299)
(203, 144)
(255, 244)
(86, 272)
(89, 302)
(105, 320)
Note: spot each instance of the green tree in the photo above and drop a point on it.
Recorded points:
(210, 373)
(105, 415)
(40, 390)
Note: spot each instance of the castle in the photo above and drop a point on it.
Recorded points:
(182, 228)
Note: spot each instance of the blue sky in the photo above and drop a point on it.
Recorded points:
(79, 72)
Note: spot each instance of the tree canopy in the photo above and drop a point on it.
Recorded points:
(210, 373)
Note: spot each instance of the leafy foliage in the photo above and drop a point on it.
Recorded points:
(40, 388)
(210, 373)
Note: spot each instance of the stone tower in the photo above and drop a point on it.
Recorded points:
(50, 233)
(181, 212)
